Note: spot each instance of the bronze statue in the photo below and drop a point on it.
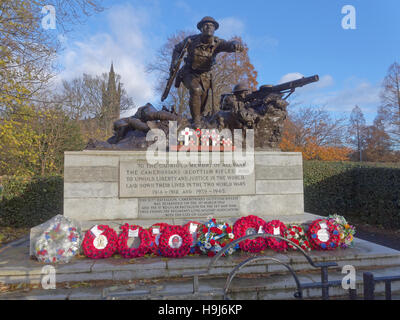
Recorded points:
(130, 133)
(202, 50)
(263, 110)
(235, 101)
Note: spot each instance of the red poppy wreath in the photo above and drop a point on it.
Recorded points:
(175, 242)
(323, 235)
(193, 228)
(155, 232)
(247, 226)
(133, 241)
(276, 228)
(100, 242)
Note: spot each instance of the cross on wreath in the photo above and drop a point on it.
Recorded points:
(187, 133)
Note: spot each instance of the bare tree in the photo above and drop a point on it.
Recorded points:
(357, 131)
(316, 124)
(389, 111)
(82, 97)
(82, 100)
(179, 97)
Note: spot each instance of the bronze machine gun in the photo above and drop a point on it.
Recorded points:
(284, 88)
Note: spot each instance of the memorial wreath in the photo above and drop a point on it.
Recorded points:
(59, 243)
(247, 226)
(323, 235)
(155, 232)
(174, 242)
(346, 230)
(276, 228)
(100, 242)
(214, 236)
(133, 241)
(297, 235)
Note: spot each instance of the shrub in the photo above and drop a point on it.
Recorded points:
(29, 202)
(368, 192)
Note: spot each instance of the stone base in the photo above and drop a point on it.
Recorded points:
(95, 189)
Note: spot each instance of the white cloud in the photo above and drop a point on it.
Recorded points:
(125, 44)
(291, 77)
(230, 27)
(364, 94)
(355, 92)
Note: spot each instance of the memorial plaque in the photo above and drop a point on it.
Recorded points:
(138, 179)
(188, 207)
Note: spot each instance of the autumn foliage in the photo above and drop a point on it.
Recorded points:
(310, 147)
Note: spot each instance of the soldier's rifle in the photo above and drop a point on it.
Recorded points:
(175, 70)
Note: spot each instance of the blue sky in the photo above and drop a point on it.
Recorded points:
(285, 38)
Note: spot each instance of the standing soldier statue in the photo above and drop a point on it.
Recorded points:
(201, 51)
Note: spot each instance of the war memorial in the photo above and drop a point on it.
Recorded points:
(209, 170)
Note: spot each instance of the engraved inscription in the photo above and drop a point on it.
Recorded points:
(138, 179)
(188, 207)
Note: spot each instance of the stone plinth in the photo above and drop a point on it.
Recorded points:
(121, 185)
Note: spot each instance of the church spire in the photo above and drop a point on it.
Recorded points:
(111, 97)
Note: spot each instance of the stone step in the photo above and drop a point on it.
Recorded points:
(260, 287)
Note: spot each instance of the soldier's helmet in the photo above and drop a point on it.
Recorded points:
(205, 20)
(240, 88)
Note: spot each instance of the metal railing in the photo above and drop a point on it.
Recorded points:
(324, 284)
(369, 280)
(369, 285)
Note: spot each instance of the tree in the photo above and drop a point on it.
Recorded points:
(377, 143)
(34, 132)
(230, 68)
(33, 140)
(95, 102)
(357, 131)
(316, 134)
(314, 122)
(389, 111)
(27, 50)
(179, 97)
